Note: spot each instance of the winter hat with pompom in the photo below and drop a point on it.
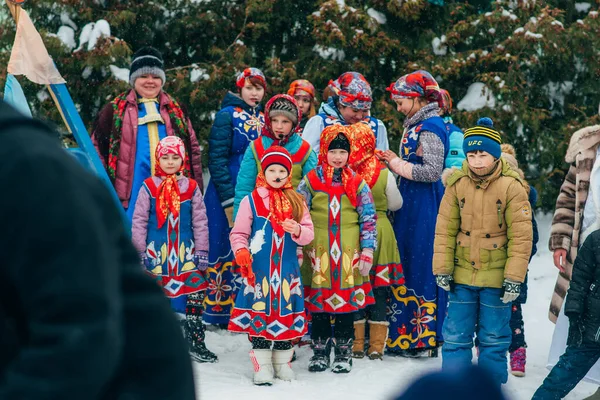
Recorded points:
(146, 61)
(483, 137)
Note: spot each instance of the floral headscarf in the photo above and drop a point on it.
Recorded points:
(240, 81)
(417, 84)
(301, 84)
(168, 198)
(353, 90)
(362, 156)
(350, 181)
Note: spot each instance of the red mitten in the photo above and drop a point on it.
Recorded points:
(243, 258)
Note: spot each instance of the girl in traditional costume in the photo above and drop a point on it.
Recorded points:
(337, 263)
(387, 268)
(170, 232)
(271, 223)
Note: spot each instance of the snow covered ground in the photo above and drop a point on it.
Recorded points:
(231, 377)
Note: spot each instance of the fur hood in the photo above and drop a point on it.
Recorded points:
(583, 139)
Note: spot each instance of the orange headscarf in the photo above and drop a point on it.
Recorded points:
(350, 181)
(362, 155)
(168, 197)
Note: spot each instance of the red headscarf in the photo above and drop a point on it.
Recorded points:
(350, 180)
(280, 207)
(168, 198)
(362, 156)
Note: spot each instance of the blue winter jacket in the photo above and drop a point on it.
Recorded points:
(249, 170)
(220, 147)
(456, 154)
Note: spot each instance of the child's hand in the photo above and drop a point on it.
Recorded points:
(386, 155)
(291, 226)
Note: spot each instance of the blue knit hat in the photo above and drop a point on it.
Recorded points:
(483, 137)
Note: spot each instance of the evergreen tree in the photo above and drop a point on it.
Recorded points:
(536, 59)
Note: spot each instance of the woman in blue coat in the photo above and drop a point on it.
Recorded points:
(419, 307)
(238, 123)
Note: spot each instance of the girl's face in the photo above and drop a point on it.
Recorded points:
(304, 101)
(148, 86)
(170, 163)
(480, 160)
(252, 94)
(352, 115)
(276, 175)
(337, 158)
(410, 106)
(281, 126)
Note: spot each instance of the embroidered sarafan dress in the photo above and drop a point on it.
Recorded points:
(330, 268)
(417, 309)
(387, 267)
(170, 249)
(274, 307)
(236, 125)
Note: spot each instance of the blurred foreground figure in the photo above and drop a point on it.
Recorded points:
(471, 383)
(78, 317)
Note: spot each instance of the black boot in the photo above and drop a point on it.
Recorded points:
(195, 330)
(342, 362)
(319, 362)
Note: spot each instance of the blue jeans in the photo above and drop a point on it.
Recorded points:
(570, 369)
(468, 307)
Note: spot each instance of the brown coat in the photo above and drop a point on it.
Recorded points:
(568, 215)
(483, 233)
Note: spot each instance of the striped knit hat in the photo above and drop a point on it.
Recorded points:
(146, 60)
(276, 155)
(483, 137)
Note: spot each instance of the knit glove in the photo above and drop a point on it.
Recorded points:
(576, 328)
(300, 255)
(229, 215)
(201, 260)
(243, 258)
(145, 261)
(365, 262)
(444, 281)
(510, 291)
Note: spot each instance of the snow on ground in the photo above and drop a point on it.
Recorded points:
(231, 377)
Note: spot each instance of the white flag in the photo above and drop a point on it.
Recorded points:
(29, 56)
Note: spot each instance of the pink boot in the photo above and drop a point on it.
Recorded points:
(517, 362)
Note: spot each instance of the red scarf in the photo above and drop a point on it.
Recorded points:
(280, 207)
(168, 198)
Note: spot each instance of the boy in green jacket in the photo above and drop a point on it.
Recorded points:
(483, 241)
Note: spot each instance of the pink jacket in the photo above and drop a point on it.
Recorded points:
(125, 164)
(141, 214)
(242, 229)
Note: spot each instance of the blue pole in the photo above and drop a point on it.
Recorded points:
(73, 119)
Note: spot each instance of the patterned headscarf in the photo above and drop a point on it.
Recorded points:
(350, 180)
(362, 157)
(417, 84)
(447, 101)
(353, 90)
(240, 81)
(168, 198)
(280, 207)
(267, 129)
(301, 84)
